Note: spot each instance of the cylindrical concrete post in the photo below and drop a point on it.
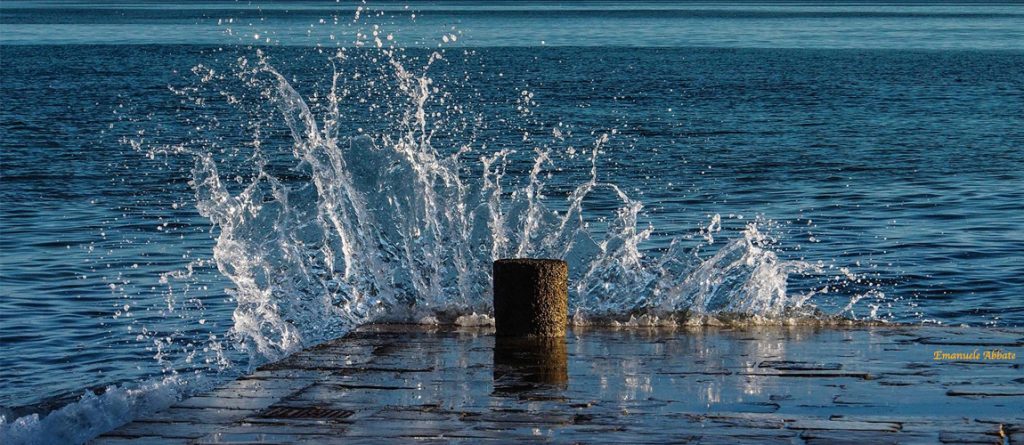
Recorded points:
(531, 297)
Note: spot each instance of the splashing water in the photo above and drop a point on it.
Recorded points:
(327, 219)
(392, 227)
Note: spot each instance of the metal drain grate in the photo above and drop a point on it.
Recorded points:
(305, 413)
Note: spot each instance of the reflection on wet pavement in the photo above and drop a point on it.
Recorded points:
(765, 385)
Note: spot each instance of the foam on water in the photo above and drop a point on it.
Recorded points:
(344, 226)
(94, 414)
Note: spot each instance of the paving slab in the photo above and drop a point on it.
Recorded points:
(437, 384)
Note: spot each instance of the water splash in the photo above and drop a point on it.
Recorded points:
(392, 225)
(327, 219)
(95, 413)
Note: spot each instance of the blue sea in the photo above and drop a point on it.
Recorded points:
(189, 189)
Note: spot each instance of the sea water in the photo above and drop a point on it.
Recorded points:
(190, 189)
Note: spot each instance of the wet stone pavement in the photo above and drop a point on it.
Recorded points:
(794, 385)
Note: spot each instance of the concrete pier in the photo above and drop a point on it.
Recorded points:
(794, 385)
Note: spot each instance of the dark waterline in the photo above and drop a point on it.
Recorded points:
(866, 25)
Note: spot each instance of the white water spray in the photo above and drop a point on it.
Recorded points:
(391, 227)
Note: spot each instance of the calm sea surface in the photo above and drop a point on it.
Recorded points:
(885, 140)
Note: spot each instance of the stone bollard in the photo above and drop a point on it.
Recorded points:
(531, 298)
